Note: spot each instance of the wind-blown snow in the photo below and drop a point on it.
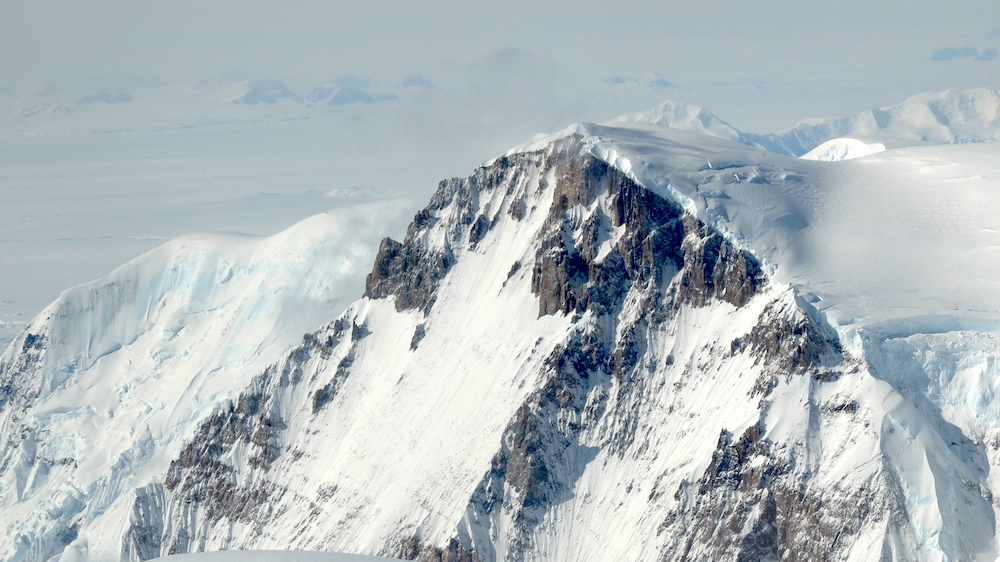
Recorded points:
(78, 553)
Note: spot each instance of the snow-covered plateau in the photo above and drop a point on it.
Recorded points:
(617, 342)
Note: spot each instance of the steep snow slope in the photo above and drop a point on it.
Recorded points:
(117, 373)
(612, 343)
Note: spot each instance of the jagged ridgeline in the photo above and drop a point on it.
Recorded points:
(622, 272)
(555, 364)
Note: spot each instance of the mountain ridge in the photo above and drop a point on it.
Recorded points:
(949, 117)
(582, 359)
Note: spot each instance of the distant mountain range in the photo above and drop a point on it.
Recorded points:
(953, 117)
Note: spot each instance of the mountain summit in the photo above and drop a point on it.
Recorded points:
(620, 342)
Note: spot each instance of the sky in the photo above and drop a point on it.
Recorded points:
(761, 65)
(125, 123)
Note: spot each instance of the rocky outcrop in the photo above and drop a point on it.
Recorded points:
(791, 339)
(714, 268)
(409, 273)
(18, 376)
(411, 548)
(205, 487)
(541, 454)
(650, 239)
(751, 504)
(143, 539)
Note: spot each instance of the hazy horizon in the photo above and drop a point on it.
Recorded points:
(761, 66)
(125, 124)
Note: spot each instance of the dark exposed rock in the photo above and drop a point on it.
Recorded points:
(408, 272)
(658, 239)
(658, 259)
(202, 486)
(792, 341)
(358, 331)
(751, 505)
(478, 230)
(143, 539)
(714, 268)
(514, 268)
(411, 271)
(412, 548)
(540, 459)
(19, 379)
(328, 392)
(418, 334)
(567, 275)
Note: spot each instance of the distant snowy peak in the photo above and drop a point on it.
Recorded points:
(679, 115)
(845, 148)
(250, 92)
(951, 117)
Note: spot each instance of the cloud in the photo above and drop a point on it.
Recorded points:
(955, 53)
(651, 80)
(264, 91)
(988, 54)
(417, 81)
(107, 97)
(49, 107)
(349, 89)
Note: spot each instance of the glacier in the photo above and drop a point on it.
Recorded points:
(621, 341)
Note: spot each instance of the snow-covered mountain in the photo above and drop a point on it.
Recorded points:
(682, 116)
(620, 342)
(950, 117)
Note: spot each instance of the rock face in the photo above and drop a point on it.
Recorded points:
(560, 364)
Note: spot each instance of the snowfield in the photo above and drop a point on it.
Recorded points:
(618, 342)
